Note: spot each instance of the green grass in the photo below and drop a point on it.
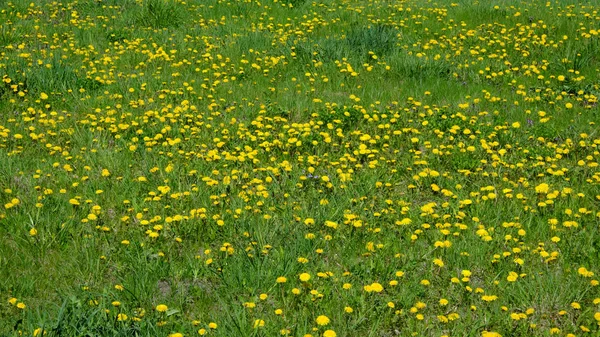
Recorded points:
(193, 153)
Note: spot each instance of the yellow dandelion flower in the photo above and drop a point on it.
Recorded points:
(329, 333)
(322, 320)
(304, 277)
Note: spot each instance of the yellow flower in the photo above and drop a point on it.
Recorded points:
(376, 287)
(490, 334)
(14, 202)
(331, 224)
(33, 232)
(329, 333)
(176, 334)
(161, 308)
(584, 272)
(489, 298)
(542, 188)
(322, 320)
(281, 279)
(212, 325)
(304, 277)
(44, 96)
(21, 305)
(512, 276)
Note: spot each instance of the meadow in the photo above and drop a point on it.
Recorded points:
(302, 168)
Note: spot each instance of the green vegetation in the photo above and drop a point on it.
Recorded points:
(299, 168)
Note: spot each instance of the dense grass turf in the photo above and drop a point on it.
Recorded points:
(299, 168)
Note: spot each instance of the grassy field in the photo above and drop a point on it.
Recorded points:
(299, 168)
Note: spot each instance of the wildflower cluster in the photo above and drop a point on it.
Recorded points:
(299, 168)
